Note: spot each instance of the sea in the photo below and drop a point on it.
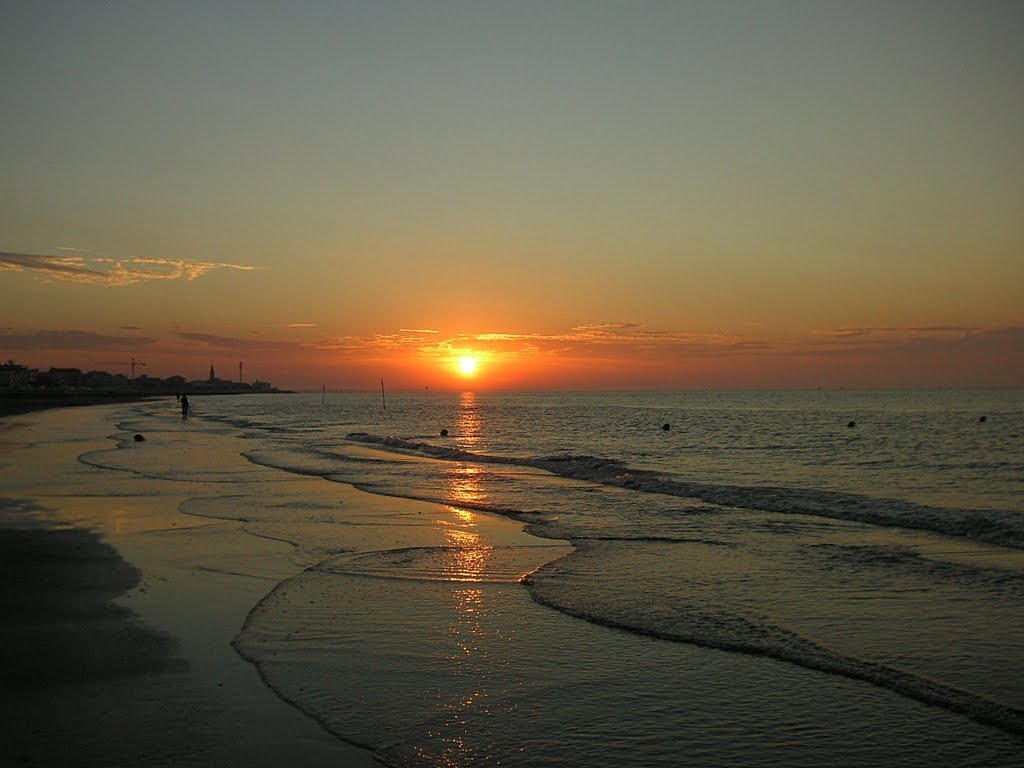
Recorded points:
(746, 578)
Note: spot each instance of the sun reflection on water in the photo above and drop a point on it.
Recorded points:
(467, 558)
(464, 485)
(470, 425)
(470, 667)
(467, 561)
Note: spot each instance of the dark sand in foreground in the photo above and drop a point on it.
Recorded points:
(84, 681)
(17, 402)
(116, 642)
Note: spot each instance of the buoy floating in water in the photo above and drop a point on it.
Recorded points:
(983, 418)
(444, 433)
(139, 438)
(852, 424)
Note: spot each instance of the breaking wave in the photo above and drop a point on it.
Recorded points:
(991, 526)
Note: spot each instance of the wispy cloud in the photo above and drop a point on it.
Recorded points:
(634, 336)
(628, 339)
(418, 330)
(896, 332)
(607, 327)
(634, 341)
(95, 270)
(171, 269)
(302, 325)
(835, 339)
(902, 340)
(69, 340)
(234, 343)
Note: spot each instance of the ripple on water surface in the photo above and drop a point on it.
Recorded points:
(436, 671)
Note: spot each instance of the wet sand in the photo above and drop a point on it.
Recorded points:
(17, 402)
(118, 619)
(84, 680)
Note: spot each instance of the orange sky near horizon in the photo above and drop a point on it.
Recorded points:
(582, 196)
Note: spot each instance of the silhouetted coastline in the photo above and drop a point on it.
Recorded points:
(14, 403)
(24, 390)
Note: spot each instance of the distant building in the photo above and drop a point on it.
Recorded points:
(212, 384)
(62, 377)
(14, 376)
(104, 380)
(148, 382)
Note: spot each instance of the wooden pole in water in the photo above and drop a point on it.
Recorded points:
(382, 400)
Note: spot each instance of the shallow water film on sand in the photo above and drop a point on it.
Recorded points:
(757, 579)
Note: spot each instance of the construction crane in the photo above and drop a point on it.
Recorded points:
(130, 363)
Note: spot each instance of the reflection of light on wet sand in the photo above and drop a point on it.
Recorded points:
(469, 563)
(470, 632)
(467, 559)
(456, 537)
(464, 484)
(469, 600)
(473, 633)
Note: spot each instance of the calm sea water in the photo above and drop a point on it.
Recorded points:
(753, 581)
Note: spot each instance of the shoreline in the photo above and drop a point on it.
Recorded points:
(182, 510)
(404, 625)
(77, 662)
(119, 649)
(18, 402)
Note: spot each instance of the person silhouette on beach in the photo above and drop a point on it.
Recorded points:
(184, 406)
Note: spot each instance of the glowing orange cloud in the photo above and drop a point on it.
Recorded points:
(607, 356)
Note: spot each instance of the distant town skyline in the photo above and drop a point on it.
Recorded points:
(130, 374)
(568, 196)
(18, 382)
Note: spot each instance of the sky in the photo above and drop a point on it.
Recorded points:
(576, 195)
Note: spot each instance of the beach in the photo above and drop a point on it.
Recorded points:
(120, 612)
(124, 609)
(319, 581)
(512, 385)
(28, 401)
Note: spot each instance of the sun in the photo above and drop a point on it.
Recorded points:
(468, 365)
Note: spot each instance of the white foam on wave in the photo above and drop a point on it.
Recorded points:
(1000, 527)
(689, 618)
